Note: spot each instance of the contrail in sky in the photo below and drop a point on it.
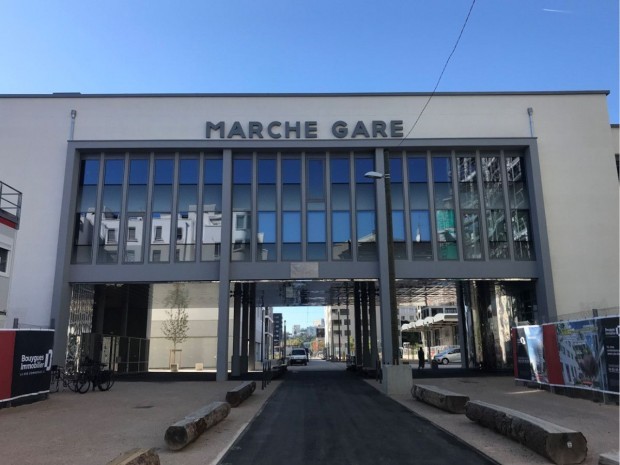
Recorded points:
(557, 11)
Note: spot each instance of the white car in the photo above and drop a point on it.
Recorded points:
(299, 356)
(449, 356)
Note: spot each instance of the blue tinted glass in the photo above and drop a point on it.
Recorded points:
(420, 226)
(164, 171)
(366, 226)
(112, 198)
(136, 198)
(162, 198)
(188, 171)
(365, 197)
(363, 166)
(267, 197)
(266, 227)
(242, 171)
(340, 170)
(291, 171)
(139, 172)
(212, 198)
(90, 172)
(291, 227)
(398, 225)
(242, 197)
(340, 197)
(213, 171)
(396, 169)
(316, 179)
(316, 226)
(187, 198)
(398, 200)
(114, 172)
(442, 171)
(291, 197)
(266, 171)
(341, 226)
(417, 169)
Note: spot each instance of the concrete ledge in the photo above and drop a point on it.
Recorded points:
(137, 457)
(240, 393)
(441, 398)
(558, 444)
(185, 431)
(609, 458)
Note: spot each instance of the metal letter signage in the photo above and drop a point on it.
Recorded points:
(374, 129)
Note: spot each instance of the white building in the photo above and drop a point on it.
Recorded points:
(504, 203)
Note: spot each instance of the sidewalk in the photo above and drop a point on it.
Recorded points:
(599, 423)
(96, 427)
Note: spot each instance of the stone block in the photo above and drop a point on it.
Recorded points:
(137, 457)
(240, 393)
(441, 398)
(560, 445)
(188, 429)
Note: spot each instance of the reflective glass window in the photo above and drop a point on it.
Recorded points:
(213, 171)
(266, 171)
(291, 171)
(212, 209)
(316, 179)
(242, 171)
(339, 170)
(362, 166)
(84, 219)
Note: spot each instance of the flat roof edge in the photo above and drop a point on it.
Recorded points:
(305, 94)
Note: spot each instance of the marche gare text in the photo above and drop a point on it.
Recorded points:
(303, 129)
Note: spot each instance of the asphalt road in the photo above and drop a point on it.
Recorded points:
(334, 417)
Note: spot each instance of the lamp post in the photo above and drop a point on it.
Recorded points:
(284, 357)
(393, 344)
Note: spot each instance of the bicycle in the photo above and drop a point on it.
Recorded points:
(76, 382)
(96, 376)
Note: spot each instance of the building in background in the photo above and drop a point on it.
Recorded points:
(10, 213)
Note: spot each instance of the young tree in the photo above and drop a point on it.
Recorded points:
(176, 326)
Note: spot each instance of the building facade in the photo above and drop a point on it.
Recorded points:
(503, 205)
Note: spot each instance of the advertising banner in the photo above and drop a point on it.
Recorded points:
(26, 372)
(609, 335)
(531, 364)
(580, 353)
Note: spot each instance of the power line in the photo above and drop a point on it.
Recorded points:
(442, 71)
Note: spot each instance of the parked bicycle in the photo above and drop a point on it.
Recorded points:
(97, 376)
(75, 381)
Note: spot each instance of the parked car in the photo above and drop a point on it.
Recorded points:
(449, 356)
(298, 356)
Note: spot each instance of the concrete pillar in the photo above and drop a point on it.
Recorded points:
(252, 342)
(358, 324)
(365, 332)
(236, 357)
(372, 308)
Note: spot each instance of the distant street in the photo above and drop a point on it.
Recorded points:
(324, 414)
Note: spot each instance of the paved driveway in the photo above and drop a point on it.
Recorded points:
(334, 417)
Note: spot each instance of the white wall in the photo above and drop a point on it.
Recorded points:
(576, 152)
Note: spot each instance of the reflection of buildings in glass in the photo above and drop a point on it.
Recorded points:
(241, 235)
(578, 355)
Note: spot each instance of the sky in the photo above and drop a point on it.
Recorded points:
(281, 46)
(303, 316)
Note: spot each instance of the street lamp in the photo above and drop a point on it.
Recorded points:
(393, 344)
